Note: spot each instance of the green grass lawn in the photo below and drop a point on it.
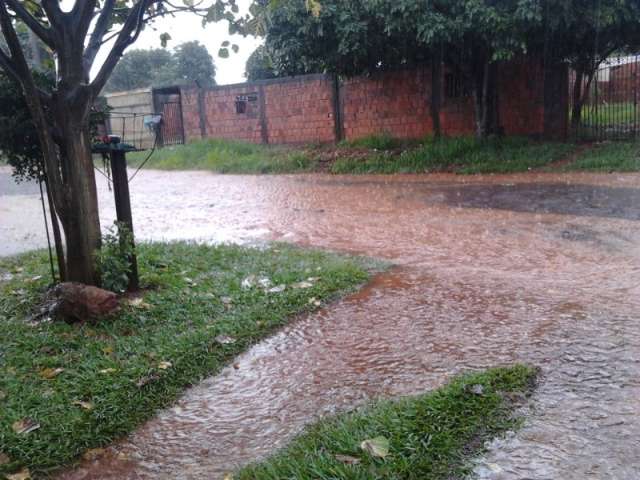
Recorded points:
(464, 155)
(610, 114)
(382, 154)
(88, 384)
(607, 157)
(429, 437)
(225, 156)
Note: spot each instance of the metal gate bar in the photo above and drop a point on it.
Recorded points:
(610, 101)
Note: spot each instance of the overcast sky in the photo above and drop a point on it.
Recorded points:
(185, 27)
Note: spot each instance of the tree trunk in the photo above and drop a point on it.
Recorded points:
(80, 221)
(57, 238)
(580, 95)
(436, 93)
(576, 107)
(485, 96)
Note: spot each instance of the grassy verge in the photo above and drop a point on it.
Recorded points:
(429, 437)
(195, 317)
(225, 156)
(382, 154)
(460, 155)
(607, 157)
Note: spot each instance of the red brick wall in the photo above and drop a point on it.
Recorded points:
(301, 109)
(221, 119)
(521, 97)
(296, 110)
(391, 102)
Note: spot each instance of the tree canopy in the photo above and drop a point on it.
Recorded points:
(259, 65)
(190, 62)
(351, 37)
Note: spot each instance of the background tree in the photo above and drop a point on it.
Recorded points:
(158, 67)
(141, 69)
(259, 65)
(194, 64)
(352, 38)
(60, 113)
(585, 33)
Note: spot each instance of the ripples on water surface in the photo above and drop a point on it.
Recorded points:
(489, 270)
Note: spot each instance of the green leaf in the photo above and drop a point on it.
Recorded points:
(164, 39)
(223, 53)
(235, 48)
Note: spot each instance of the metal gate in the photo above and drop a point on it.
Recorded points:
(609, 101)
(167, 101)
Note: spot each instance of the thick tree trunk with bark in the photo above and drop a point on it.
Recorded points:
(80, 222)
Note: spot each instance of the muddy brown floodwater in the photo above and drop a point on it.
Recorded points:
(538, 268)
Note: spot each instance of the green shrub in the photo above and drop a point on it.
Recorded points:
(113, 259)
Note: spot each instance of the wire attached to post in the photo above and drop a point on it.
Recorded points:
(46, 228)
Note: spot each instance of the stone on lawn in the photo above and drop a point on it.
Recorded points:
(78, 302)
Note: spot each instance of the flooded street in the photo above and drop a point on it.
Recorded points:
(537, 268)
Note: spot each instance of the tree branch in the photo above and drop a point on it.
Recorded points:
(101, 27)
(40, 30)
(128, 35)
(7, 65)
(82, 15)
(34, 100)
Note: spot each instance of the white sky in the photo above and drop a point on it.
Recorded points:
(185, 27)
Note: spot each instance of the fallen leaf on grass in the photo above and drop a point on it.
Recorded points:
(35, 279)
(49, 373)
(228, 476)
(477, 389)
(4, 458)
(23, 474)
(190, 282)
(248, 282)
(225, 339)
(83, 404)
(6, 277)
(107, 350)
(347, 459)
(376, 447)
(108, 370)
(138, 303)
(164, 365)
(93, 453)
(277, 289)
(302, 285)
(314, 301)
(3, 395)
(26, 425)
(142, 381)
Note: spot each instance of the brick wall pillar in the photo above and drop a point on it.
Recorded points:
(202, 114)
(336, 103)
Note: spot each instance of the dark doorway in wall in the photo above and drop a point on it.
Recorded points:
(168, 103)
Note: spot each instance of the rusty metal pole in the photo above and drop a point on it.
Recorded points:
(123, 206)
